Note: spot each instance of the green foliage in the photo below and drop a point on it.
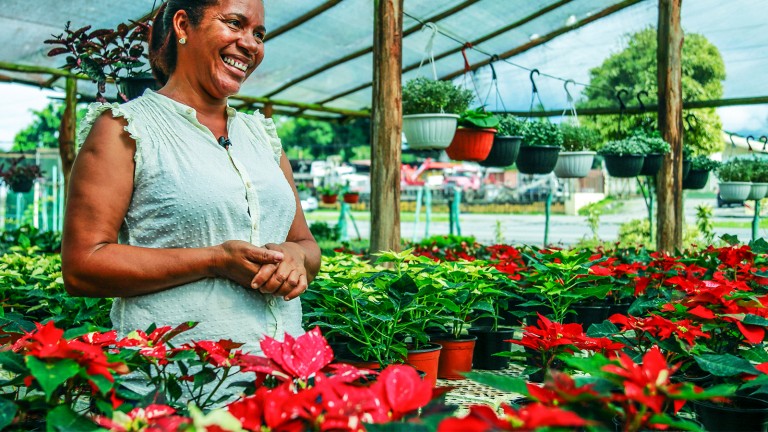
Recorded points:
(542, 133)
(29, 240)
(43, 131)
(32, 290)
(654, 143)
(322, 231)
(303, 137)
(636, 232)
(759, 170)
(579, 138)
(704, 163)
(425, 96)
(634, 69)
(19, 172)
(510, 125)
(735, 170)
(627, 146)
(704, 223)
(478, 118)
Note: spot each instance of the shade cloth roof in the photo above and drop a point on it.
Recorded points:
(320, 50)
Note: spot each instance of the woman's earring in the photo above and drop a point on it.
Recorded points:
(183, 41)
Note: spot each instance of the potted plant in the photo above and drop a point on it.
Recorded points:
(656, 149)
(577, 155)
(699, 175)
(350, 196)
(116, 54)
(474, 137)
(20, 177)
(735, 176)
(431, 111)
(506, 142)
(759, 179)
(329, 194)
(541, 145)
(494, 338)
(624, 158)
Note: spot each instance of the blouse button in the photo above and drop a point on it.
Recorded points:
(271, 301)
(248, 185)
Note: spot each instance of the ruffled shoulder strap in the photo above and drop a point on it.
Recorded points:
(96, 109)
(266, 128)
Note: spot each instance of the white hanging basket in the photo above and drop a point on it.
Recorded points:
(735, 191)
(757, 191)
(574, 164)
(429, 131)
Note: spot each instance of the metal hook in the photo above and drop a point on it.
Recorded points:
(764, 139)
(622, 105)
(533, 83)
(640, 101)
(565, 86)
(494, 58)
(688, 118)
(750, 137)
(730, 137)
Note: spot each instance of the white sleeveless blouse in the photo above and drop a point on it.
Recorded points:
(190, 192)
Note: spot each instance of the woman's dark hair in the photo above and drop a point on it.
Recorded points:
(162, 40)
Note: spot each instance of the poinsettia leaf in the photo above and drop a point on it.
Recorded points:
(181, 328)
(755, 320)
(759, 246)
(725, 365)
(63, 419)
(690, 392)
(51, 375)
(174, 389)
(675, 424)
(591, 365)
(640, 307)
(604, 329)
(499, 382)
(757, 354)
(12, 362)
(397, 427)
(102, 383)
(8, 411)
(730, 239)
(204, 377)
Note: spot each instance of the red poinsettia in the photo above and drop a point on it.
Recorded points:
(482, 418)
(301, 357)
(153, 418)
(661, 327)
(216, 353)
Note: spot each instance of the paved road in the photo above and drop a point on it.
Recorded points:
(564, 230)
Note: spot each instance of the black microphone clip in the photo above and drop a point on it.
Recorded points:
(225, 142)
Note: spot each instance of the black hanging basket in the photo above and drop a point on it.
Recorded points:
(652, 164)
(696, 179)
(22, 185)
(624, 166)
(686, 168)
(504, 151)
(537, 159)
(134, 87)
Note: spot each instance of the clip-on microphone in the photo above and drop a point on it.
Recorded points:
(225, 142)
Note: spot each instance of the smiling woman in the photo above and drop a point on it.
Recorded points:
(174, 225)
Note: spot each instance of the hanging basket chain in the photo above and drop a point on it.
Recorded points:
(535, 92)
(429, 52)
(570, 106)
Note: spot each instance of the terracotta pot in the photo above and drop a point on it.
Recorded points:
(329, 199)
(455, 357)
(360, 364)
(352, 198)
(426, 359)
(471, 144)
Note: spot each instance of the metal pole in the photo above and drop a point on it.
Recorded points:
(650, 206)
(756, 221)
(342, 225)
(419, 196)
(547, 211)
(428, 212)
(36, 205)
(450, 216)
(19, 201)
(457, 209)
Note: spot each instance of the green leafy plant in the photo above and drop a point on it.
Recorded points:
(654, 143)
(704, 163)
(542, 133)
(478, 118)
(735, 170)
(579, 138)
(759, 170)
(104, 53)
(629, 146)
(510, 125)
(322, 231)
(329, 190)
(425, 96)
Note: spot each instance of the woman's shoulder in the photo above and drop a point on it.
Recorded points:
(263, 127)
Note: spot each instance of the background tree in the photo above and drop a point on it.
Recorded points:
(304, 138)
(634, 69)
(43, 131)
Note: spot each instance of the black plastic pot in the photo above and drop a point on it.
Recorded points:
(490, 342)
(742, 414)
(686, 168)
(537, 159)
(134, 87)
(696, 179)
(23, 185)
(503, 153)
(652, 164)
(586, 315)
(619, 308)
(624, 166)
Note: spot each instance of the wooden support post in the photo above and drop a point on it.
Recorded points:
(67, 144)
(670, 179)
(387, 125)
(268, 110)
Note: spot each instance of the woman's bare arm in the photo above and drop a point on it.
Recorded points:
(95, 265)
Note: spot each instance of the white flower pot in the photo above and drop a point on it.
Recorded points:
(429, 131)
(574, 164)
(757, 191)
(735, 191)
